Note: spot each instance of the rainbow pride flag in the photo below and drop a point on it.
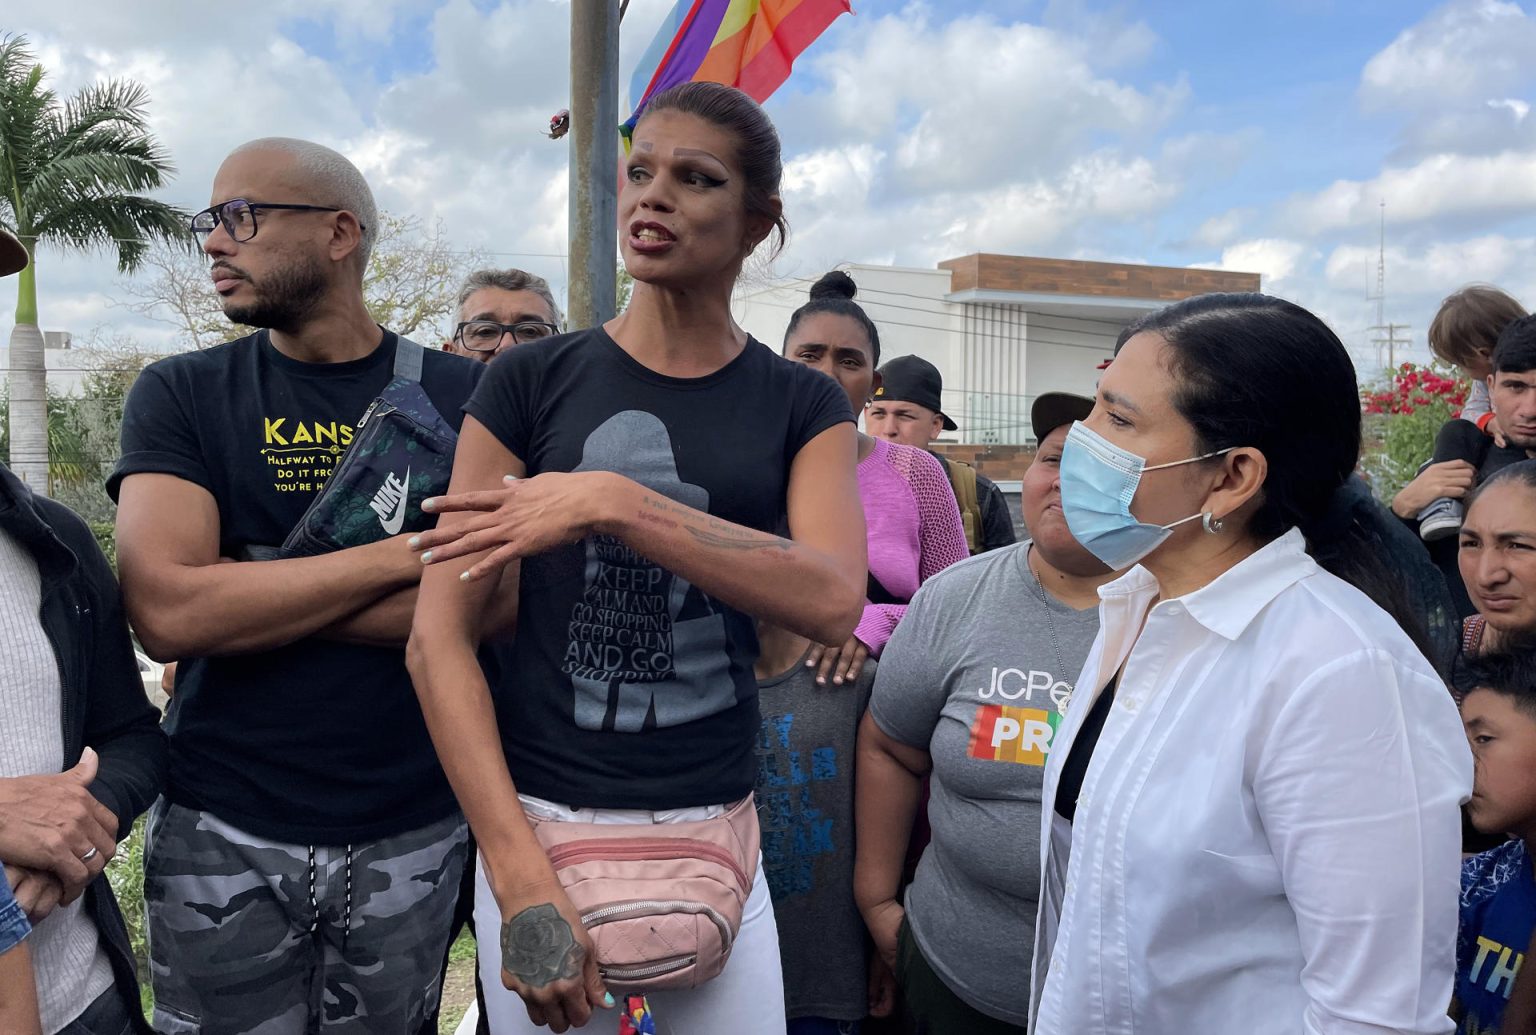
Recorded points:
(748, 44)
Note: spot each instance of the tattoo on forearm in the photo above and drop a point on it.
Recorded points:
(721, 534)
(538, 948)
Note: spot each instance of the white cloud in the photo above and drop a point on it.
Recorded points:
(1275, 259)
(912, 135)
(1439, 186)
(972, 102)
(457, 143)
(1220, 230)
(1516, 107)
(1467, 50)
(1441, 268)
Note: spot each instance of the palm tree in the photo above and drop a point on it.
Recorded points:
(72, 175)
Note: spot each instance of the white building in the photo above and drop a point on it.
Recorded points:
(1001, 329)
(68, 362)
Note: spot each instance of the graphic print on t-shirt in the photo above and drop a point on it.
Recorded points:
(795, 832)
(1004, 734)
(1008, 733)
(644, 648)
(302, 453)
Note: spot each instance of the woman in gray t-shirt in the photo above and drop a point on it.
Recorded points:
(969, 694)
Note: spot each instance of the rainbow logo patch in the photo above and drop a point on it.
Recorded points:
(1004, 734)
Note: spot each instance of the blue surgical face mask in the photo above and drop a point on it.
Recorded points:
(1098, 482)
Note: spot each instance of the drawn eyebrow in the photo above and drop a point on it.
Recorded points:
(1119, 400)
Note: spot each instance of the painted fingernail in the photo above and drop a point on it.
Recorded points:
(430, 503)
(414, 542)
(463, 576)
(510, 478)
(426, 558)
(607, 996)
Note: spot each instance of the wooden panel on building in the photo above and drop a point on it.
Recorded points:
(1091, 279)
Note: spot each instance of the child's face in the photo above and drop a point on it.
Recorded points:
(1480, 368)
(1503, 738)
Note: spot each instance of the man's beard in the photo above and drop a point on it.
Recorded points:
(285, 298)
(1525, 442)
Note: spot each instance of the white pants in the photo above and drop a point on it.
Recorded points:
(746, 999)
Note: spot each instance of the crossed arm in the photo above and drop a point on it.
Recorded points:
(186, 601)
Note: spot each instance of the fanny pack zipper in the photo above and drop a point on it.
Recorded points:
(641, 973)
(626, 910)
(575, 852)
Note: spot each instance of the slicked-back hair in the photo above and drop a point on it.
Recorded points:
(757, 142)
(1254, 370)
(334, 179)
(1522, 473)
(510, 280)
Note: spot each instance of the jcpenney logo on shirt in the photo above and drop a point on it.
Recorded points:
(1001, 733)
(1010, 684)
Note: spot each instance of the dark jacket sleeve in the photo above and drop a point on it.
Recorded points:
(996, 521)
(118, 722)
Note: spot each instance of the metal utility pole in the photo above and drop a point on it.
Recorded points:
(1391, 342)
(594, 162)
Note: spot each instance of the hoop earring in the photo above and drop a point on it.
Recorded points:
(1211, 523)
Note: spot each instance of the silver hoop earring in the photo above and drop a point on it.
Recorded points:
(1211, 523)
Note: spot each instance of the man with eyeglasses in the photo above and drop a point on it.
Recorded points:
(302, 867)
(502, 308)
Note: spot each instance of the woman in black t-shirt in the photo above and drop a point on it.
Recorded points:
(650, 459)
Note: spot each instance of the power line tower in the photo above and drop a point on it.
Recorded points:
(1387, 337)
(1380, 296)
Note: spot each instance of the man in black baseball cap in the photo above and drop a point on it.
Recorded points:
(1053, 409)
(907, 409)
(13, 257)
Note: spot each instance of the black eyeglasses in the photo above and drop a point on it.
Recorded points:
(239, 217)
(485, 335)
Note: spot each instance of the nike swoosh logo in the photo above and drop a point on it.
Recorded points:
(396, 520)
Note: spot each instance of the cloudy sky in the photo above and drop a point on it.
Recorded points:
(1250, 136)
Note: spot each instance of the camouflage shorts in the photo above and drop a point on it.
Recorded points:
(252, 937)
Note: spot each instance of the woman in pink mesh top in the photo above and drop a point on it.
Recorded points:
(913, 523)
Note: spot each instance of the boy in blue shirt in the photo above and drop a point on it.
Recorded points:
(1498, 892)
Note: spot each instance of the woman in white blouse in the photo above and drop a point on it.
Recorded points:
(1250, 817)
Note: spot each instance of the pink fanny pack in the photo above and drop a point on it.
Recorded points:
(663, 907)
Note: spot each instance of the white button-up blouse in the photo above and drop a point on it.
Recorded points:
(1268, 837)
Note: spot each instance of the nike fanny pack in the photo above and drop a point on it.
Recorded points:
(401, 453)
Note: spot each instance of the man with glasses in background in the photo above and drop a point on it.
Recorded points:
(302, 867)
(499, 309)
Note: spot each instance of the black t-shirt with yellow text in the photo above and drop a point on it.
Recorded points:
(315, 742)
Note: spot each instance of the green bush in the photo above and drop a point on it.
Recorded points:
(126, 875)
(106, 538)
(1402, 416)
